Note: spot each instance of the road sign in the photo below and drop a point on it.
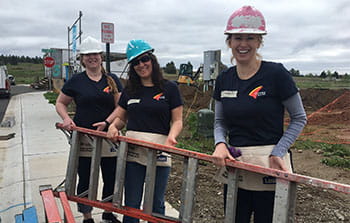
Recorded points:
(49, 62)
(48, 50)
(107, 32)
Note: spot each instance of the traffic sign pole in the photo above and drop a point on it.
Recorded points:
(108, 66)
(107, 35)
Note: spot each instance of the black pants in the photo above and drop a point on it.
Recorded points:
(258, 202)
(108, 168)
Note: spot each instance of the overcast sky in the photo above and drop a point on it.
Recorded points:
(308, 35)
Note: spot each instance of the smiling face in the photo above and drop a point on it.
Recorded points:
(143, 67)
(244, 47)
(92, 61)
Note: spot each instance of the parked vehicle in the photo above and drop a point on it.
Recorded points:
(5, 85)
(11, 79)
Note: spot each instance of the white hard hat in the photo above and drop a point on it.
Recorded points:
(90, 45)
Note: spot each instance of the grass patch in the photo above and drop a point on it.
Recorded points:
(51, 97)
(197, 144)
(317, 82)
(336, 155)
(26, 73)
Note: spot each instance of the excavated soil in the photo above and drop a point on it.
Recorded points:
(328, 121)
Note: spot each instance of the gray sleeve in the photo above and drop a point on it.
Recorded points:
(220, 130)
(297, 115)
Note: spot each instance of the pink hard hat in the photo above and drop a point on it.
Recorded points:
(246, 20)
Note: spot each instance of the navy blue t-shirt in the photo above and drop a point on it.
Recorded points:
(149, 110)
(253, 109)
(94, 102)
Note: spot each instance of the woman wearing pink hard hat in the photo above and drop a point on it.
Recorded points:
(250, 100)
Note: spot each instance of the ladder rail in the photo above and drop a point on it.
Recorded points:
(150, 180)
(188, 189)
(285, 193)
(72, 165)
(120, 175)
(95, 168)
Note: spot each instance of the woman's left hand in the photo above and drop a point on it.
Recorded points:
(170, 141)
(277, 163)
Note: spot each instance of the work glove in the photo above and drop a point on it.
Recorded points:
(234, 152)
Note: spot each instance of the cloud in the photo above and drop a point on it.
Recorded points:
(305, 35)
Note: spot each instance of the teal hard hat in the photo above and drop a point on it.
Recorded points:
(136, 47)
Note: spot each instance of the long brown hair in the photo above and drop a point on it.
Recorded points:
(133, 83)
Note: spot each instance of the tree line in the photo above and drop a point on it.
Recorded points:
(323, 74)
(14, 60)
(169, 68)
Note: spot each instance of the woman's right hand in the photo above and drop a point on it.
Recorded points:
(220, 154)
(113, 133)
(68, 123)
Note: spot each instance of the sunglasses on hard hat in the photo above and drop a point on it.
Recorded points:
(143, 59)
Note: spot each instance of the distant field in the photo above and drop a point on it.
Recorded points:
(26, 73)
(316, 82)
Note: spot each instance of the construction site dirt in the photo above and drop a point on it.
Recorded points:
(328, 121)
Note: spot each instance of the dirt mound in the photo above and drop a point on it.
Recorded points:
(314, 99)
(336, 112)
(194, 98)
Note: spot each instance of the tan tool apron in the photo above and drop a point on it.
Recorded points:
(86, 147)
(257, 155)
(138, 154)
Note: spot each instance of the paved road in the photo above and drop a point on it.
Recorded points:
(15, 90)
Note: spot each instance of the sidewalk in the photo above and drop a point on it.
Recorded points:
(37, 155)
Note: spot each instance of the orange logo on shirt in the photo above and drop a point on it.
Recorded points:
(106, 89)
(254, 93)
(157, 97)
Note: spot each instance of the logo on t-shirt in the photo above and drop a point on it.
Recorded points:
(256, 92)
(159, 96)
(106, 89)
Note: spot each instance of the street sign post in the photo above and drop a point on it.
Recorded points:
(49, 62)
(107, 36)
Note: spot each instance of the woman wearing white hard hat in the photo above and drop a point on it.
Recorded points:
(250, 100)
(152, 108)
(96, 95)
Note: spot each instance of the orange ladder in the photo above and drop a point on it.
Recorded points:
(285, 193)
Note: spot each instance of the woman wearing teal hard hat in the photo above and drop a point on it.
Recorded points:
(152, 108)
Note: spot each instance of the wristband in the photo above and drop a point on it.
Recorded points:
(107, 123)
